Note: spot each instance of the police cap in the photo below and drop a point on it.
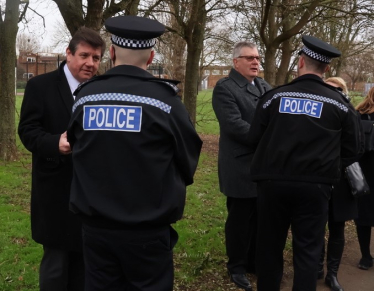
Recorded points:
(318, 49)
(134, 32)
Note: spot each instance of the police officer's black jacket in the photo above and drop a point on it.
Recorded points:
(134, 150)
(301, 131)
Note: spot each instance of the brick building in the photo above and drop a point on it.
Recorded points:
(34, 64)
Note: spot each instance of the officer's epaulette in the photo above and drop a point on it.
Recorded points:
(169, 82)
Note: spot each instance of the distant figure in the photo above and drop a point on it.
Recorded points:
(45, 115)
(234, 102)
(342, 207)
(299, 135)
(365, 219)
(134, 151)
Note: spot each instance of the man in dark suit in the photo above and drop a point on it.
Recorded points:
(234, 102)
(45, 114)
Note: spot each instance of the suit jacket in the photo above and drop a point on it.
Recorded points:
(234, 103)
(45, 115)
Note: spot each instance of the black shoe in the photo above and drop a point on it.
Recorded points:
(365, 263)
(321, 273)
(332, 282)
(241, 281)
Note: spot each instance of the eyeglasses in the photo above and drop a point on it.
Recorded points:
(250, 58)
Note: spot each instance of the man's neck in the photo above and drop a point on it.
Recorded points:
(306, 72)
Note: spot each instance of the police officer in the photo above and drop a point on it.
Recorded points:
(299, 133)
(134, 151)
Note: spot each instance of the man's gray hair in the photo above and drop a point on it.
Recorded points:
(239, 45)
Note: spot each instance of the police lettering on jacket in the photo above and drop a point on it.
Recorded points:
(112, 117)
(300, 106)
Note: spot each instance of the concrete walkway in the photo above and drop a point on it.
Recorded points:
(350, 277)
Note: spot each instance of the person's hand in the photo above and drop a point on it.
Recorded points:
(64, 145)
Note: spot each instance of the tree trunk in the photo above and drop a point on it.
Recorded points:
(282, 74)
(194, 47)
(74, 16)
(178, 46)
(72, 13)
(8, 33)
(179, 67)
(94, 18)
(270, 68)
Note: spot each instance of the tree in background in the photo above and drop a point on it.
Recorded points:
(347, 25)
(94, 13)
(27, 43)
(359, 67)
(171, 50)
(9, 18)
(192, 17)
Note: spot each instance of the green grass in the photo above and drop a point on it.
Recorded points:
(19, 254)
(206, 121)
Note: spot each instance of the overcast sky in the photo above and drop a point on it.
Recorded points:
(41, 29)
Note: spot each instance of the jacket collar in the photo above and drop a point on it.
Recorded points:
(128, 70)
(309, 77)
(241, 81)
(238, 78)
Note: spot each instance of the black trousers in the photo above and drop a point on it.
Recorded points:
(129, 260)
(364, 237)
(240, 232)
(304, 207)
(335, 244)
(61, 270)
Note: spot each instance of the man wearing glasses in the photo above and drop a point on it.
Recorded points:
(234, 102)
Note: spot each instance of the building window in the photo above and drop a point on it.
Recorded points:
(30, 75)
(225, 72)
(216, 72)
(207, 72)
(31, 59)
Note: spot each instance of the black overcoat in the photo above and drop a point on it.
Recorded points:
(45, 114)
(366, 203)
(234, 103)
(343, 204)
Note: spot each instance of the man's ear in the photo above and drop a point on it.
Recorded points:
(327, 69)
(234, 61)
(68, 54)
(301, 62)
(151, 56)
(112, 53)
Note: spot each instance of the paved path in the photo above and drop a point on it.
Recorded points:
(350, 277)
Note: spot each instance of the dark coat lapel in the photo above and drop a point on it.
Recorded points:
(243, 82)
(64, 89)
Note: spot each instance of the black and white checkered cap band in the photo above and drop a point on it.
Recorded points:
(133, 43)
(315, 55)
